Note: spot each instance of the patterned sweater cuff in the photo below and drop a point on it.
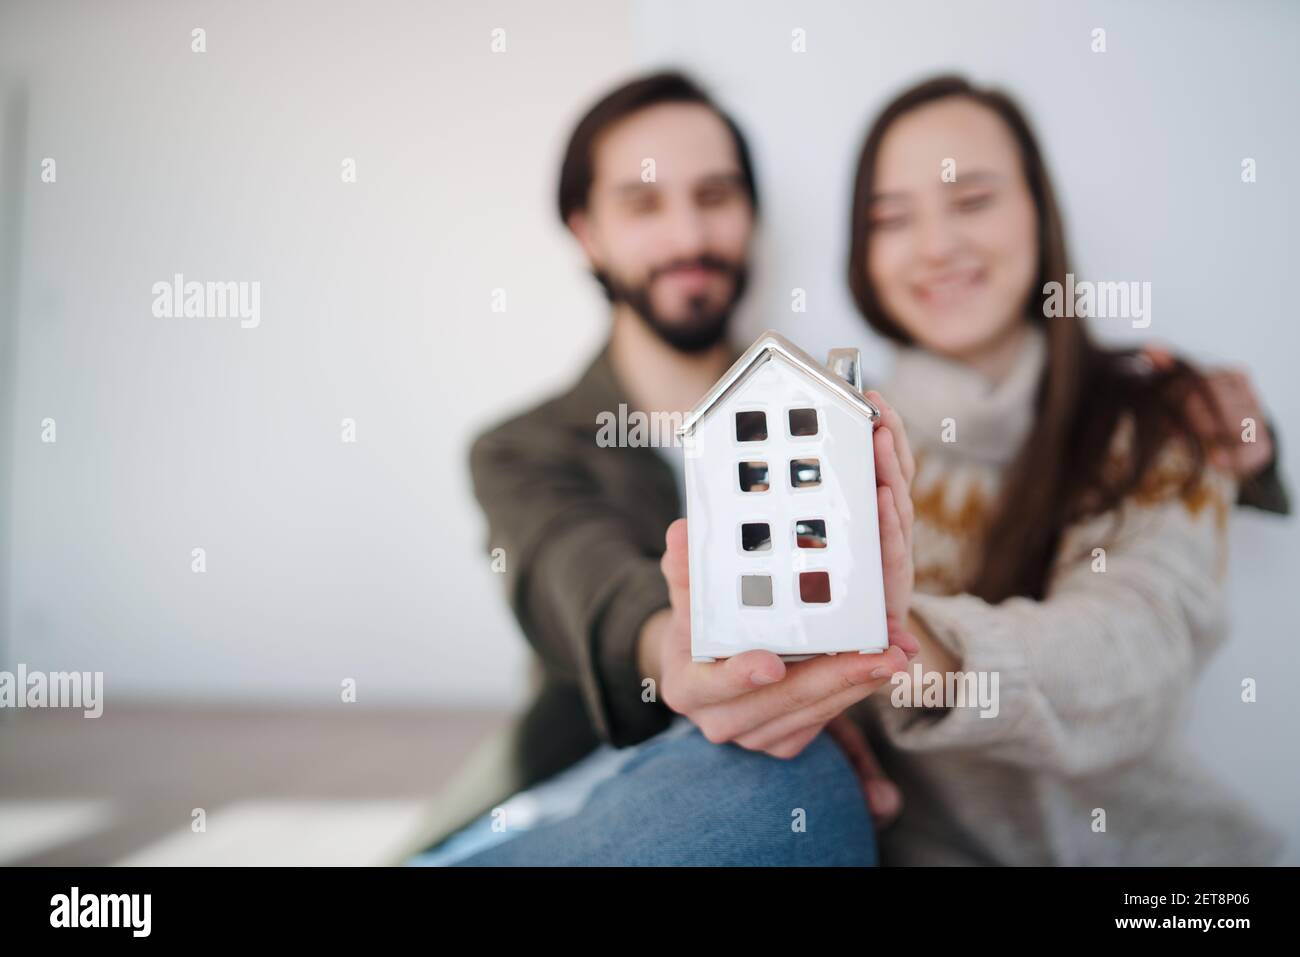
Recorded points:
(982, 704)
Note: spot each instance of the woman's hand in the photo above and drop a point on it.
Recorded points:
(883, 796)
(895, 469)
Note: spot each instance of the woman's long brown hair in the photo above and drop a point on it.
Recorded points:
(1063, 472)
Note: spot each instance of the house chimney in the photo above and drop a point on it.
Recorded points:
(847, 364)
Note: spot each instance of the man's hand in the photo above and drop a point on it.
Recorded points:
(755, 699)
(1236, 399)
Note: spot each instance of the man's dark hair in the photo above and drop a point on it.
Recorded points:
(577, 171)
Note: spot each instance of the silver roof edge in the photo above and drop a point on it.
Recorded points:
(766, 346)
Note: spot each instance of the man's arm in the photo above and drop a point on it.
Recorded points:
(1247, 443)
(580, 581)
(649, 645)
(1265, 489)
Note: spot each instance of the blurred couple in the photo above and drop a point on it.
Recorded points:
(631, 753)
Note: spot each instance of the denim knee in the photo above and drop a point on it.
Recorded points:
(681, 800)
(722, 803)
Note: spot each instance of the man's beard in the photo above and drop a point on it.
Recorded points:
(705, 327)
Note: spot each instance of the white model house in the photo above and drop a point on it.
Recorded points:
(781, 508)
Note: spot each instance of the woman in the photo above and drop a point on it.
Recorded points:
(1069, 534)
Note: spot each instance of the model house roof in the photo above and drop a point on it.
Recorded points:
(774, 346)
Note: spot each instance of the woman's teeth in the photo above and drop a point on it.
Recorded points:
(949, 287)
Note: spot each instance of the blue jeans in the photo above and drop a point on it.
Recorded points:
(677, 799)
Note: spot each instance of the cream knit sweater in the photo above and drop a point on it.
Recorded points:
(1082, 763)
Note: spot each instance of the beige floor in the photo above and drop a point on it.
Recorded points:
(122, 788)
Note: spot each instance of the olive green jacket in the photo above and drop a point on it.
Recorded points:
(582, 527)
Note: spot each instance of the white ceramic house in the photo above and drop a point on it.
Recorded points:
(781, 508)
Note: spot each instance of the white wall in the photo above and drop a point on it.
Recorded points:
(328, 560)
(1145, 142)
(324, 560)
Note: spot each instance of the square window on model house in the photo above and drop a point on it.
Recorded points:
(756, 537)
(803, 422)
(810, 533)
(753, 477)
(756, 591)
(751, 427)
(805, 473)
(815, 588)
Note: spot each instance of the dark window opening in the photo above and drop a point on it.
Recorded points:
(751, 426)
(756, 537)
(753, 477)
(803, 422)
(805, 473)
(810, 533)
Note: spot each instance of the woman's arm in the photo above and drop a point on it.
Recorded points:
(1092, 675)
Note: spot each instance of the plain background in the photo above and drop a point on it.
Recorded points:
(328, 560)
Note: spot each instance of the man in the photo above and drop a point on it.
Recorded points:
(658, 188)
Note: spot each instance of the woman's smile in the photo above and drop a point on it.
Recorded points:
(950, 289)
